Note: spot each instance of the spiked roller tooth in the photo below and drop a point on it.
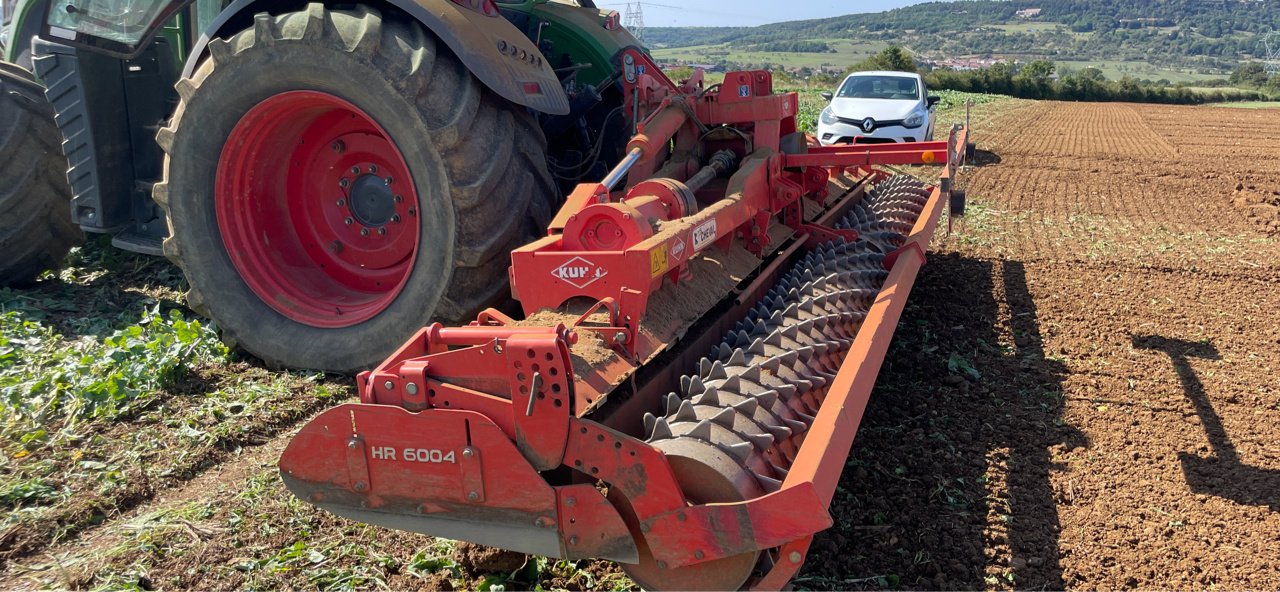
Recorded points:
(794, 425)
(673, 403)
(717, 372)
(704, 367)
(805, 353)
(779, 433)
(767, 399)
(732, 385)
(769, 484)
(757, 347)
(744, 339)
(685, 381)
(725, 352)
(741, 450)
(779, 470)
(772, 365)
(774, 339)
(725, 417)
(751, 375)
(685, 412)
(791, 331)
(696, 386)
(762, 441)
(805, 417)
(702, 431)
(710, 397)
(792, 311)
(738, 357)
(748, 407)
(661, 430)
(789, 358)
(777, 318)
(650, 420)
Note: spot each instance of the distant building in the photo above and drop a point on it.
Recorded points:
(1027, 13)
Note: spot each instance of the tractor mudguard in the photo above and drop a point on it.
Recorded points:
(497, 53)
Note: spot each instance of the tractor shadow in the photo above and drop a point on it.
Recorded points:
(1221, 474)
(952, 463)
(983, 158)
(99, 290)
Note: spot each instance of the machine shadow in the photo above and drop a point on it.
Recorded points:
(952, 462)
(1221, 474)
(105, 289)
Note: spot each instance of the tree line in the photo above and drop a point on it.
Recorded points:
(1043, 79)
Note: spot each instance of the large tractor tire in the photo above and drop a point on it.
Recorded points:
(334, 180)
(35, 200)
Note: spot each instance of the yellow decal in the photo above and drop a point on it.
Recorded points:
(658, 261)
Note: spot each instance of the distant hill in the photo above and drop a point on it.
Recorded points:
(1207, 35)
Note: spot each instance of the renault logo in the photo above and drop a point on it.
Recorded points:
(868, 125)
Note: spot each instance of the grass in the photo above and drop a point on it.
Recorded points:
(1251, 105)
(846, 54)
(1115, 70)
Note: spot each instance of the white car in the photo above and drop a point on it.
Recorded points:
(878, 107)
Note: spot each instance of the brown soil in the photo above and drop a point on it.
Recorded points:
(481, 559)
(1081, 394)
(1117, 306)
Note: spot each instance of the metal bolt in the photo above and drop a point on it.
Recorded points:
(422, 508)
(468, 452)
(349, 221)
(620, 337)
(473, 496)
(662, 564)
(355, 170)
(344, 183)
(351, 444)
(382, 231)
(389, 385)
(497, 349)
(539, 523)
(373, 168)
(395, 218)
(338, 146)
(795, 557)
(699, 554)
(573, 540)
(390, 180)
(361, 486)
(413, 212)
(681, 517)
(341, 202)
(411, 388)
(364, 232)
(569, 501)
(399, 198)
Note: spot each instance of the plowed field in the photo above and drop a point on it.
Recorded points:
(1082, 393)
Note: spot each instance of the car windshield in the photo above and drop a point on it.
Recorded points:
(879, 87)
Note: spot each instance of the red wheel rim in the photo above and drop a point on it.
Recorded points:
(317, 209)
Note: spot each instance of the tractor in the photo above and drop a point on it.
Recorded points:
(407, 148)
(706, 295)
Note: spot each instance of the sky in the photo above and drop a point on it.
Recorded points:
(711, 13)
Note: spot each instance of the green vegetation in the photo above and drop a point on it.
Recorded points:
(1254, 105)
(1173, 40)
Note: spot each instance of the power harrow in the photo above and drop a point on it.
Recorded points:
(662, 404)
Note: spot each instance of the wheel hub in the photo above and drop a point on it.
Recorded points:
(372, 201)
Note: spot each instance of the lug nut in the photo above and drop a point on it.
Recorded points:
(364, 232)
(382, 231)
(355, 170)
(342, 202)
(399, 198)
(395, 218)
(390, 180)
(344, 183)
(338, 146)
(373, 168)
(349, 221)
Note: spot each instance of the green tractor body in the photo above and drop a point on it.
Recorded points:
(442, 134)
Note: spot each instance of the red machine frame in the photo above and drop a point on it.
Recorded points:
(465, 425)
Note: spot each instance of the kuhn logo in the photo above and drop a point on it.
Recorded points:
(579, 272)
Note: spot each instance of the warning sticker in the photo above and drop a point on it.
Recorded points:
(704, 235)
(677, 250)
(659, 263)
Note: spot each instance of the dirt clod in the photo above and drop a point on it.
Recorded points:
(481, 559)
